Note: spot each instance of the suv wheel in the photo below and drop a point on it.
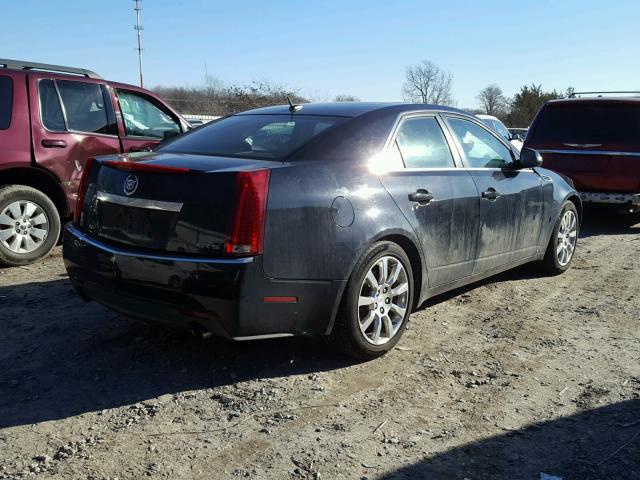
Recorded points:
(377, 303)
(29, 225)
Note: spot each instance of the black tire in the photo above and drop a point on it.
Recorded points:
(13, 193)
(346, 335)
(550, 263)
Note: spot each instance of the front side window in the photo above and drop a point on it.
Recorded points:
(481, 148)
(422, 144)
(253, 136)
(6, 101)
(142, 118)
(502, 130)
(84, 107)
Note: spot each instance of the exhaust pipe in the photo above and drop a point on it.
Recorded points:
(200, 332)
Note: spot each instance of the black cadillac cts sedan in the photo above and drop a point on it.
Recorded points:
(320, 219)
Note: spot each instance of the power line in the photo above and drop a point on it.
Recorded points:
(139, 28)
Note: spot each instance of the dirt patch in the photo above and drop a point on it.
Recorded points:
(509, 378)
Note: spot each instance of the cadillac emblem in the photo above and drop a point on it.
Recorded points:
(130, 185)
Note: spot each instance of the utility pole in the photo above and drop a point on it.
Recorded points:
(138, 28)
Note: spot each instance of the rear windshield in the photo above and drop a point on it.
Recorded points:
(6, 100)
(588, 123)
(264, 137)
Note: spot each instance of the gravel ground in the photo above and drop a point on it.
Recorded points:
(510, 378)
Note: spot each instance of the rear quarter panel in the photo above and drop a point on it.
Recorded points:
(321, 218)
(15, 142)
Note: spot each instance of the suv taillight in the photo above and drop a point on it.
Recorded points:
(246, 233)
(81, 190)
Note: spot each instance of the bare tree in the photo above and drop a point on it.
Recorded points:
(492, 99)
(427, 83)
(217, 98)
(346, 98)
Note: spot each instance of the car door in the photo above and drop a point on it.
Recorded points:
(436, 195)
(511, 204)
(72, 120)
(145, 122)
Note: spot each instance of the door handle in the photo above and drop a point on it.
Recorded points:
(48, 143)
(140, 149)
(421, 196)
(490, 194)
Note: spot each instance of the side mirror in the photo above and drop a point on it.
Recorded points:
(167, 134)
(530, 158)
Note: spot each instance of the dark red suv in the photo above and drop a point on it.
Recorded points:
(52, 119)
(595, 141)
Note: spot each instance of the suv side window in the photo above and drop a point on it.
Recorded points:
(481, 148)
(142, 118)
(83, 108)
(50, 109)
(6, 101)
(422, 144)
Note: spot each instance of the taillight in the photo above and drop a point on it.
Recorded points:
(145, 167)
(246, 233)
(81, 190)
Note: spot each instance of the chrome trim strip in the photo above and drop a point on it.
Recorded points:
(171, 258)
(592, 152)
(607, 197)
(140, 202)
(583, 145)
(263, 337)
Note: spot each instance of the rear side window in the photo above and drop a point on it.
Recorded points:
(6, 101)
(84, 106)
(422, 144)
(50, 109)
(588, 123)
(253, 136)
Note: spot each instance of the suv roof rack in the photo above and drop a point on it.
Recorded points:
(600, 94)
(20, 65)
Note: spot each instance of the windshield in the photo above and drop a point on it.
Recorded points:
(264, 137)
(588, 123)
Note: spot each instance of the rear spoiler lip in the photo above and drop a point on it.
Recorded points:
(141, 167)
(201, 163)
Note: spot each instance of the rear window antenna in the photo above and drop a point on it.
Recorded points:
(293, 107)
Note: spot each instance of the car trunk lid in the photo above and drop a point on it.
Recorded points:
(182, 204)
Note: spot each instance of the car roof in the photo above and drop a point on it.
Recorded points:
(486, 117)
(348, 109)
(569, 101)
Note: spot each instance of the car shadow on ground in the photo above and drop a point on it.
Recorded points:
(602, 221)
(602, 443)
(61, 357)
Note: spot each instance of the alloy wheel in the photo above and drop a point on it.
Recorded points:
(24, 226)
(567, 237)
(383, 302)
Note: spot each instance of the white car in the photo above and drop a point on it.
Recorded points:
(496, 125)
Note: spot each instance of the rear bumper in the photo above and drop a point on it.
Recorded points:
(225, 296)
(630, 199)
